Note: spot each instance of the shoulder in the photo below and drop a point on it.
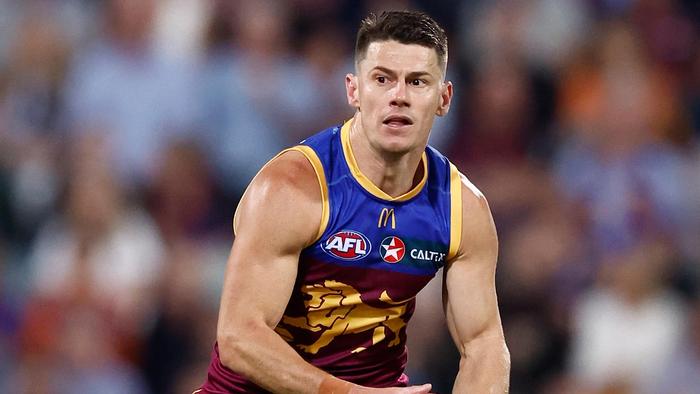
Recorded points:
(478, 233)
(286, 192)
(472, 198)
(289, 177)
(291, 169)
(465, 194)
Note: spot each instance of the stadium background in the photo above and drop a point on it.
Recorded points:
(129, 128)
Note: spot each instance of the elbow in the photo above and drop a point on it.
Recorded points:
(231, 348)
(492, 348)
(487, 368)
(505, 367)
(502, 353)
(239, 344)
(506, 357)
(500, 356)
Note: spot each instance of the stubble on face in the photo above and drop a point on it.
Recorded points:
(400, 89)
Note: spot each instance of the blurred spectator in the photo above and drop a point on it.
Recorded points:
(35, 69)
(256, 94)
(93, 271)
(626, 328)
(29, 112)
(98, 249)
(177, 349)
(123, 88)
(94, 266)
(541, 274)
(615, 163)
(667, 30)
(183, 200)
(498, 116)
(182, 197)
(494, 144)
(542, 33)
(70, 347)
(328, 61)
(179, 28)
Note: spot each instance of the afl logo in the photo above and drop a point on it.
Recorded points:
(347, 245)
(392, 249)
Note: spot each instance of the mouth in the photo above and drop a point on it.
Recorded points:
(397, 121)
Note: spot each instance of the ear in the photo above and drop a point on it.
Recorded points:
(352, 91)
(445, 99)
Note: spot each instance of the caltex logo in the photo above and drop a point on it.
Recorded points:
(392, 249)
(347, 245)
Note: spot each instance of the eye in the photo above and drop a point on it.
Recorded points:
(381, 79)
(417, 82)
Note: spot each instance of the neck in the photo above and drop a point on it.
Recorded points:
(394, 173)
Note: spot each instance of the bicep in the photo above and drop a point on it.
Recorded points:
(257, 284)
(275, 221)
(469, 292)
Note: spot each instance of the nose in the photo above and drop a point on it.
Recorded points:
(399, 96)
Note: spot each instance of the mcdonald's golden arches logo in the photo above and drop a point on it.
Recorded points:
(384, 218)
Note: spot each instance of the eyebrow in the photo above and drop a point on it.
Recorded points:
(412, 74)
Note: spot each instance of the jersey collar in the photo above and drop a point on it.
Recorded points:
(365, 182)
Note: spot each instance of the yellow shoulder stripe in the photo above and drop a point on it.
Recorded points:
(455, 212)
(312, 157)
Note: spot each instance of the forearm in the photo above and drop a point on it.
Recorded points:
(264, 358)
(484, 367)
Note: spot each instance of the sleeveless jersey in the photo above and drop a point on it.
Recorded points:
(356, 284)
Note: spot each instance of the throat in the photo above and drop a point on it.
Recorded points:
(388, 175)
(396, 182)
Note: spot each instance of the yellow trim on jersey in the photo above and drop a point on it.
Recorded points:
(312, 157)
(365, 182)
(455, 212)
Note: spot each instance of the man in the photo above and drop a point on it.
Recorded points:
(335, 237)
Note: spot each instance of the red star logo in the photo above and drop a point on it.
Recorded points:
(392, 249)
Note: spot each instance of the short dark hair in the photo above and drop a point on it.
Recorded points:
(406, 27)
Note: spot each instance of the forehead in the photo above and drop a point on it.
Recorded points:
(398, 57)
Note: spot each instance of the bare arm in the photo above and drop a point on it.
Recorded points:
(471, 307)
(278, 216)
(279, 213)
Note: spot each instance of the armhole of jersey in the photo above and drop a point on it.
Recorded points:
(455, 212)
(312, 157)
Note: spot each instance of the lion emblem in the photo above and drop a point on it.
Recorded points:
(336, 308)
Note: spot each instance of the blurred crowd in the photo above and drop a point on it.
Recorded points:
(130, 128)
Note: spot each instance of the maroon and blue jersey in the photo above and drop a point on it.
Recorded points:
(356, 284)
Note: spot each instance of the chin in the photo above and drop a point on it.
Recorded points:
(396, 147)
